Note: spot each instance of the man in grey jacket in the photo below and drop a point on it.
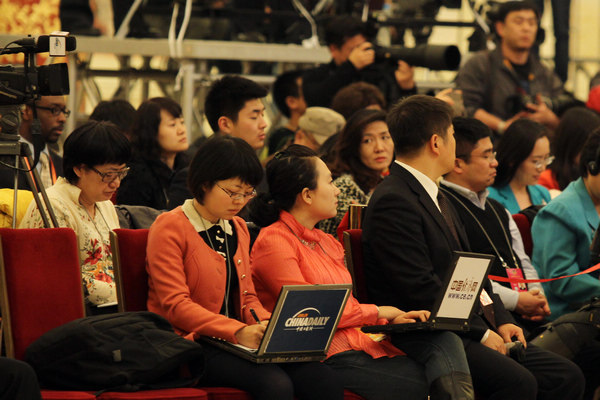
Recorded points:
(510, 82)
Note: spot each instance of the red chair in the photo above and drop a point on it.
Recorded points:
(525, 228)
(354, 263)
(129, 264)
(41, 289)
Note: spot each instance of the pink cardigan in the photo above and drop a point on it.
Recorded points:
(186, 279)
(279, 258)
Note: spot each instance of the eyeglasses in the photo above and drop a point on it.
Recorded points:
(108, 177)
(56, 110)
(543, 163)
(238, 196)
(487, 157)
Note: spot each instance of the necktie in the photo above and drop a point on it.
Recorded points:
(45, 170)
(447, 214)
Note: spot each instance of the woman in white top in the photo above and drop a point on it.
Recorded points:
(94, 164)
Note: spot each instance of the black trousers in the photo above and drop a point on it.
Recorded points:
(17, 381)
(542, 375)
(309, 380)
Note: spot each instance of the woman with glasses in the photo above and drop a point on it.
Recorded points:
(364, 153)
(159, 164)
(523, 153)
(199, 277)
(94, 164)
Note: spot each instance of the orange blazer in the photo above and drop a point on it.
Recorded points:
(186, 279)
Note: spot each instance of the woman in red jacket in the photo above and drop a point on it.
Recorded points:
(289, 250)
(200, 278)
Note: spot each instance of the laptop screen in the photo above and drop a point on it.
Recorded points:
(463, 288)
(306, 319)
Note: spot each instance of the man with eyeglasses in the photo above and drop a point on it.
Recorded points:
(489, 225)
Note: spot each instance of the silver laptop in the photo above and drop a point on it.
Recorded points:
(301, 327)
(455, 302)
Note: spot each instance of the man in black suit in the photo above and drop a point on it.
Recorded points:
(52, 114)
(408, 244)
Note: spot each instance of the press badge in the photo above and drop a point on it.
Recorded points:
(485, 298)
(516, 273)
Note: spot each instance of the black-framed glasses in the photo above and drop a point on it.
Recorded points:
(108, 177)
(238, 196)
(55, 110)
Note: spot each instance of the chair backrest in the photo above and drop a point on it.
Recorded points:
(524, 226)
(40, 278)
(354, 263)
(129, 263)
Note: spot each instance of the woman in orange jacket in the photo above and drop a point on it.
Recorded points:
(200, 278)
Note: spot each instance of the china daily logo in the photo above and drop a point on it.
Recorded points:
(306, 320)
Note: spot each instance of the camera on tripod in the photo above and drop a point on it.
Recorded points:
(20, 85)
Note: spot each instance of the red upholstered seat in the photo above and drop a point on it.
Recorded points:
(525, 228)
(354, 262)
(158, 394)
(129, 263)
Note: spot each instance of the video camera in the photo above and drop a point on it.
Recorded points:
(20, 85)
(429, 56)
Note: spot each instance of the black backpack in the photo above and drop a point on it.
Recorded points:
(120, 352)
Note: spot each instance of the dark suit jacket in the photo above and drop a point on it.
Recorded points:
(408, 248)
(7, 173)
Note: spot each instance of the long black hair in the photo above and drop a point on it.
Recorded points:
(288, 173)
(515, 146)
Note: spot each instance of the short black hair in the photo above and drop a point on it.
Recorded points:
(227, 96)
(515, 146)
(144, 131)
(288, 173)
(219, 158)
(357, 96)
(510, 6)
(342, 28)
(119, 112)
(467, 132)
(415, 119)
(94, 143)
(590, 153)
(286, 85)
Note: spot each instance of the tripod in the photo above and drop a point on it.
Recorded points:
(10, 146)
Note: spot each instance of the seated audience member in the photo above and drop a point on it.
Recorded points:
(18, 381)
(364, 153)
(357, 96)
(159, 140)
(287, 95)
(119, 112)
(316, 126)
(353, 60)
(290, 250)
(567, 143)
(489, 226)
(562, 235)
(234, 106)
(94, 163)
(410, 232)
(199, 277)
(593, 101)
(523, 153)
(510, 82)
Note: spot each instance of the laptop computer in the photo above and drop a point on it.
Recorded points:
(455, 302)
(301, 327)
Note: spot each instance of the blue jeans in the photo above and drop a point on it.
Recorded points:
(380, 378)
(441, 353)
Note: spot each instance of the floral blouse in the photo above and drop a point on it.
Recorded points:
(350, 193)
(93, 237)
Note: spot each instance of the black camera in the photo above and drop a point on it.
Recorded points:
(19, 85)
(558, 104)
(429, 56)
(515, 350)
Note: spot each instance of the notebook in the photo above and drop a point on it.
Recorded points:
(455, 303)
(301, 327)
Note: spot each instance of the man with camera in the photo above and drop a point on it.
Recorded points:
(52, 113)
(510, 82)
(353, 60)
